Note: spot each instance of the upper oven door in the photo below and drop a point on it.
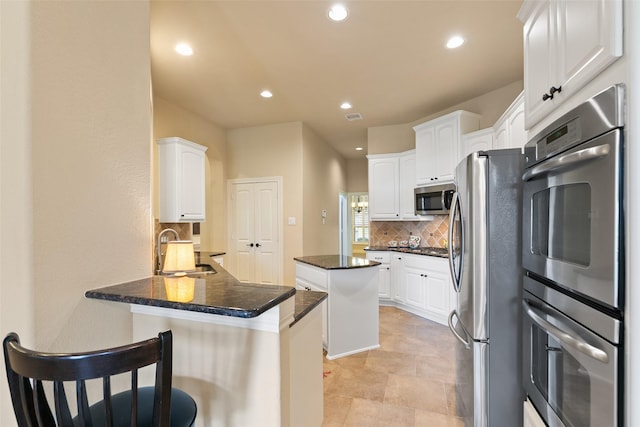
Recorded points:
(572, 219)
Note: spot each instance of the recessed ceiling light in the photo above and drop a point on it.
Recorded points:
(359, 148)
(345, 105)
(184, 49)
(266, 94)
(338, 12)
(454, 42)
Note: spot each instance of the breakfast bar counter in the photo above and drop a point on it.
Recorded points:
(249, 354)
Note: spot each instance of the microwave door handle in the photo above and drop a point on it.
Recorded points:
(576, 343)
(567, 161)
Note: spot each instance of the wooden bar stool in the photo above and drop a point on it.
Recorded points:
(33, 375)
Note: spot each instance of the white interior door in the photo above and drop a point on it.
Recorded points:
(243, 231)
(254, 231)
(266, 233)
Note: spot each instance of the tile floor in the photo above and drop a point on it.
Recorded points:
(408, 381)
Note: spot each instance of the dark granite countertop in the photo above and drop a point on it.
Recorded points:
(219, 293)
(336, 262)
(305, 302)
(429, 251)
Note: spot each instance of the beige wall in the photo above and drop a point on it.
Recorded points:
(401, 137)
(172, 120)
(75, 192)
(16, 248)
(357, 175)
(267, 151)
(324, 177)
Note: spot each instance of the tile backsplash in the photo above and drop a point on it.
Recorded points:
(432, 233)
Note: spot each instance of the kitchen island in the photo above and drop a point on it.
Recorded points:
(350, 315)
(248, 354)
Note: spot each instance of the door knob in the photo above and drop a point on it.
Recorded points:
(250, 245)
(258, 245)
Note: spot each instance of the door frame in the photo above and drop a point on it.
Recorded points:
(344, 224)
(278, 181)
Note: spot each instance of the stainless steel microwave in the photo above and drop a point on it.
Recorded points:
(434, 199)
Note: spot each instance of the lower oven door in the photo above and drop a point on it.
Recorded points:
(571, 374)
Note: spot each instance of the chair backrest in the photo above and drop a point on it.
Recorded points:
(28, 369)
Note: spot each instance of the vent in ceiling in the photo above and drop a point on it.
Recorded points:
(353, 116)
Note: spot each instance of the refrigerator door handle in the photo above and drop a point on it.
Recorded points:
(455, 333)
(455, 276)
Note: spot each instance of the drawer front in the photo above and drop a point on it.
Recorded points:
(313, 275)
(427, 262)
(382, 257)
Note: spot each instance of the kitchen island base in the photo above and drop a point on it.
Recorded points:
(351, 316)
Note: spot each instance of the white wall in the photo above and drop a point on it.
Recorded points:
(75, 194)
(625, 70)
(633, 212)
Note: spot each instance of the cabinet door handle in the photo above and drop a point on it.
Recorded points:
(250, 245)
(553, 90)
(258, 245)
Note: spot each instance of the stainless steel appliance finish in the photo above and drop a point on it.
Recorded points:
(484, 237)
(572, 193)
(433, 199)
(571, 372)
(573, 256)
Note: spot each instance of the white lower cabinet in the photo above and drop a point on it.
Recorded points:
(415, 282)
(438, 289)
(419, 284)
(384, 273)
(398, 279)
(313, 279)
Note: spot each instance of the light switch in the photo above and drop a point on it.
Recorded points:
(291, 220)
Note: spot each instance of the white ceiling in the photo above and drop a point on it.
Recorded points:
(387, 59)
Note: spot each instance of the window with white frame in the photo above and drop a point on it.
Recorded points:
(360, 218)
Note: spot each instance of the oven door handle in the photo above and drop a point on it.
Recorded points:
(582, 346)
(567, 161)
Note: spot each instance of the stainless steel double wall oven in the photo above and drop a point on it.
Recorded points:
(573, 258)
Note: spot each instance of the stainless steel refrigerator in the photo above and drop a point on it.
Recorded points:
(486, 268)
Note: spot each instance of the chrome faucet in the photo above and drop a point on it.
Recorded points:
(159, 254)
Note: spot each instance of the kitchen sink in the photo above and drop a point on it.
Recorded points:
(204, 269)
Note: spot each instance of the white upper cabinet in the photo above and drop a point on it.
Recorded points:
(509, 129)
(437, 145)
(480, 140)
(566, 44)
(181, 180)
(407, 185)
(384, 179)
(391, 184)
